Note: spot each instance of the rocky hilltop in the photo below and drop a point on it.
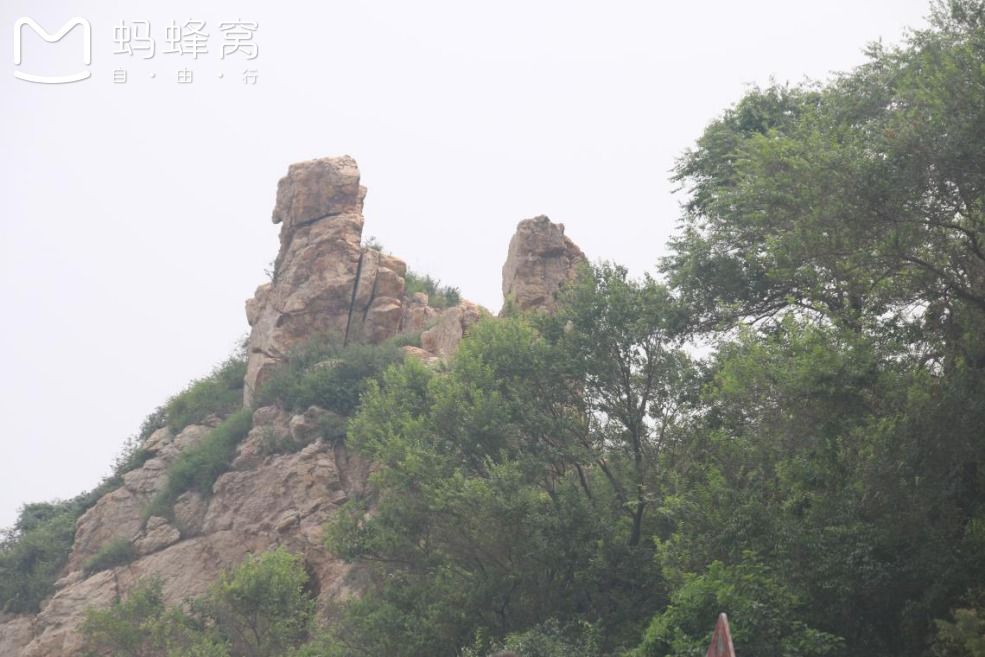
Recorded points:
(325, 280)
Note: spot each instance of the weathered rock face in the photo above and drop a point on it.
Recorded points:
(266, 499)
(442, 339)
(324, 282)
(418, 315)
(119, 514)
(541, 260)
(15, 633)
(317, 189)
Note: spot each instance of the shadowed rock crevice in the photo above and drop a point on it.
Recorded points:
(352, 300)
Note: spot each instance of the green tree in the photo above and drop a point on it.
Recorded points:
(965, 637)
(262, 607)
(849, 472)
(33, 552)
(859, 201)
(763, 616)
(618, 341)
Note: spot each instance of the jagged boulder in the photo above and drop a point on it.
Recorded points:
(418, 315)
(317, 189)
(540, 261)
(442, 339)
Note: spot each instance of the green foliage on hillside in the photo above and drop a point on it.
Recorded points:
(198, 466)
(261, 608)
(34, 550)
(219, 394)
(439, 296)
(141, 626)
(965, 636)
(115, 553)
(324, 373)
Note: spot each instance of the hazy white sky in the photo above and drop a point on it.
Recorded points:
(136, 217)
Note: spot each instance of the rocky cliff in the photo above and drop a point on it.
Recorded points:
(325, 281)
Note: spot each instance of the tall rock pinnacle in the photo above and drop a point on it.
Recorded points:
(324, 281)
(541, 260)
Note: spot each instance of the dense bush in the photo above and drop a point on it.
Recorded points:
(33, 552)
(549, 639)
(129, 628)
(763, 615)
(406, 339)
(199, 466)
(439, 296)
(263, 607)
(965, 637)
(115, 553)
(220, 393)
(324, 373)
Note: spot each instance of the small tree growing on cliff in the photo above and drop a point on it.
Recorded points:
(259, 609)
(262, 607)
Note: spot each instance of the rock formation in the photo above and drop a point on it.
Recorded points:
(540, 261)
(442, 339)
(325, 282)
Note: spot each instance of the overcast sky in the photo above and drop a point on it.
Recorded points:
(136, 216)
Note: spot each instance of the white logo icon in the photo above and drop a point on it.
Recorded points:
(52, 38)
